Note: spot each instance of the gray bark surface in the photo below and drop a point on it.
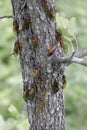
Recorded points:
(51, 116)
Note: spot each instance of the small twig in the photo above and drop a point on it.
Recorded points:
(69, 60)
(81, 53)
(73, 58)
(2, 17)
(79, 61)
(61, 59)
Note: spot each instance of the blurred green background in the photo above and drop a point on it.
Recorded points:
(13, 114)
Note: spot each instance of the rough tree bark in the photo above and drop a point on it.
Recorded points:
(36, 27)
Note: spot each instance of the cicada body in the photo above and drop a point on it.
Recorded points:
(60, 39)
(64, 81)
(29, 93)
(42, 82)
(42, 103)
(16, 48)
(26, 94)
(37, 71)
(43, 3)
(26, 21)
(48, 8)
(35, 39)
(50, 12)
(55, 87)
(15, 25)
(32, 91)
(51, 49)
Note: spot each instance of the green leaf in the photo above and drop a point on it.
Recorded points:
(62, 22)
(72, 26)
(13, 110)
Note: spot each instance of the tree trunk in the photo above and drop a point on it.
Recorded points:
(34, 22)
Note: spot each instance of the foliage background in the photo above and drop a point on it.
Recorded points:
(12, 107)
